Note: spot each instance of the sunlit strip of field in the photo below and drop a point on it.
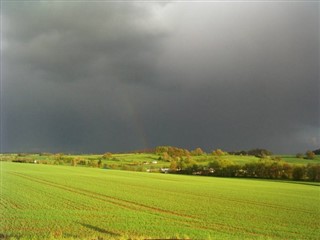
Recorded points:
(41, 201)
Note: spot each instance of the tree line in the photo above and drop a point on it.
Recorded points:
(268, 166)
(264, 168)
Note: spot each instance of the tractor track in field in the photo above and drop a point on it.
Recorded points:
(68, 202)
(189, 221)
(239, 201)
(225, 228)
(113, 200)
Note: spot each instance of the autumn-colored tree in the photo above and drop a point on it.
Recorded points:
(107, 155)
(173, 165)
(172, 151)
(310, 155)
(74, 161)
(197, 152)
(166, 157)
(58, 156)
(218, 152)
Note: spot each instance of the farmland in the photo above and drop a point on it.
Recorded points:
(41, 201)
(139, 161)
(254, 164)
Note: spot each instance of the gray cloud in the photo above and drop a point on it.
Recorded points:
(119, 76)
(69, 42)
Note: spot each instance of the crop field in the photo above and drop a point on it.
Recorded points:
(295, 160)
(46, 201)
(141, 161)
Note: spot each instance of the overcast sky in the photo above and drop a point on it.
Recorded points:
(105, 76)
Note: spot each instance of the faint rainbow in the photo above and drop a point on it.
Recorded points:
(136, 119)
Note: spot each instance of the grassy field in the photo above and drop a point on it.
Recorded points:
(45, 201)
(293, 159)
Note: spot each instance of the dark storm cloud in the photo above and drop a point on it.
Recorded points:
(118, 76)
(74, 41)
(64, 64)
(252, 71)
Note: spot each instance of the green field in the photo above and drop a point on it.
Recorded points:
(45, 201)
(295, 160)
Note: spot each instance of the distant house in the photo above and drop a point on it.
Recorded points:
(154, 162)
